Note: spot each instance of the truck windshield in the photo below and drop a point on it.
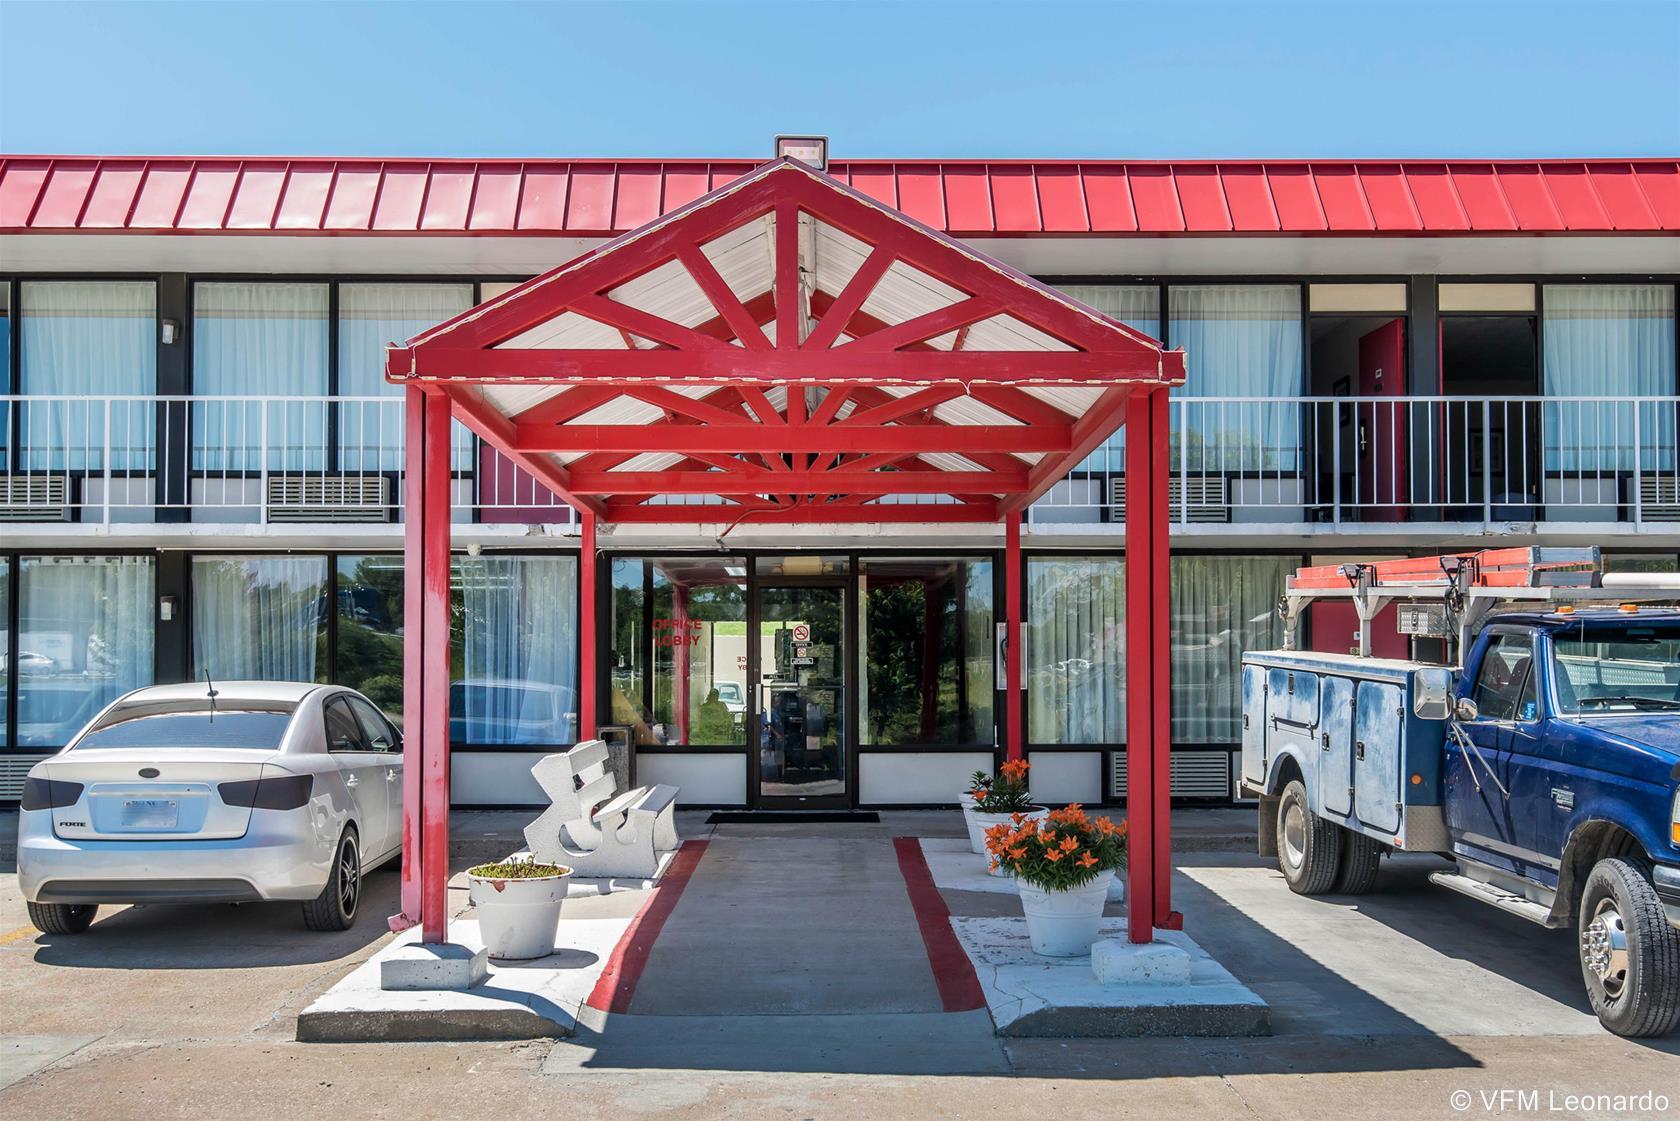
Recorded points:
(1617, 669)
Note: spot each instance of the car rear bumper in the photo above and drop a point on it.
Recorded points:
(268, 863)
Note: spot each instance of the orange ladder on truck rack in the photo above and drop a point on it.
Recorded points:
(1530, 566)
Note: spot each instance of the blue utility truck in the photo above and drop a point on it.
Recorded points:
(1533, 740)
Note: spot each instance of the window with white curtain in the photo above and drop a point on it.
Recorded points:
(369, 317)
(1075, 652)
(1607, 341)
(1240, 340)
(516, 677)
(94, 341)
(1138, 306)
(260, 340)
(1076, 644)
(85, 637)
(259, 618)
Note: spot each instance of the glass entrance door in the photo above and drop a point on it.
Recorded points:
(800, 707)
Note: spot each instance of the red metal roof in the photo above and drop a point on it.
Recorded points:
(965, 198)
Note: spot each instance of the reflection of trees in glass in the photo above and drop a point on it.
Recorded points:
(916, 693)
(369, 594)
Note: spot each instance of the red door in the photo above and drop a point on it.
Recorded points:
(1382, 449)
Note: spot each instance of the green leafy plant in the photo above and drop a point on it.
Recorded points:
(519, 870)
(1005, 794)
(1068, 849)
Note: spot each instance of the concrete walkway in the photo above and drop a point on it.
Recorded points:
(790, 925)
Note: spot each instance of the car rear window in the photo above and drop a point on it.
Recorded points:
(256, 729)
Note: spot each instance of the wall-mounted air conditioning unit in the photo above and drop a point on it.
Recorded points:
(1659, 498)
(34, 498)
(329, 498)
(1192, 774)
(1209, 498)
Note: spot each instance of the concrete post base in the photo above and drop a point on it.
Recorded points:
(1116, 962)
(420, 966)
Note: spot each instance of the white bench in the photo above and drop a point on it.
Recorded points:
(591, 827)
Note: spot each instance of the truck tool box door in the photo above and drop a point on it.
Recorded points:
(1376, 755)
(1292, 715)
(1253, 724)
(1335, 748)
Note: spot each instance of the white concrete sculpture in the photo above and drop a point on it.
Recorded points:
(590, 830)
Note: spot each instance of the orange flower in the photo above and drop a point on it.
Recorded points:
(1017, 853)
(1052, 856)
(977, 795)
(1087, 861)
(1070, 844)
(1015, 769)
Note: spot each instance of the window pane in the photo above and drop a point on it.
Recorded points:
(369, 317)
(698, 631)
(514, 670)
(1608, 340)
(1075, 656)
(260, 340)
(1499, 681)
(926, 652)
(85, 637)
(628, 660)
(1242, 340)
(369, 653)
(1138, 306)
(259, 618)
(1221, 606)
(93, 340)
(5, 644)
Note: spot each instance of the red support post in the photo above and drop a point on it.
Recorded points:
(425, 873)
(586, 630)
(1014, 736)
(1148, 736)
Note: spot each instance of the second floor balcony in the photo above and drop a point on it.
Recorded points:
(1243, 463)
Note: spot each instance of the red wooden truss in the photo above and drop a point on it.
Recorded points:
(785, 350)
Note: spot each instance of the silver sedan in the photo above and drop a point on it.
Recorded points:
(174, 794)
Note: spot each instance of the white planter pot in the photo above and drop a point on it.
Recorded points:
(978, 823)
(1064, 924)
(518, 918)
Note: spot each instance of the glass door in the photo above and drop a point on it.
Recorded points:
(799, 711)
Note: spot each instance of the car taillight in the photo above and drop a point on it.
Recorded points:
(49, 794)
(285, 792)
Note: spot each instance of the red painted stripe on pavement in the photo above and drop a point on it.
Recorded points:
(953, 973)
(617, 983)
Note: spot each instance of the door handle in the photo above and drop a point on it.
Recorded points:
(352, 782)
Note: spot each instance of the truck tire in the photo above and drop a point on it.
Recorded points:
(1309, 850)
(335, 907)
(62, 918)
(1360, 858)
(1630, 956)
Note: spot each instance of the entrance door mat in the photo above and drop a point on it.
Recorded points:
(794, 817)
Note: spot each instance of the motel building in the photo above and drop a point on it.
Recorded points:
(808, 479)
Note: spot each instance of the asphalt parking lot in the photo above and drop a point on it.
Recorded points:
(1384, 1006)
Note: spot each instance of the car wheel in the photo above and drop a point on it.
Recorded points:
(1630, 956)
(1309, 850)
(62, 918)
(335, 907)
(1360, 859)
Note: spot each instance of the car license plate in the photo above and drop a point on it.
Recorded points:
(150, 813)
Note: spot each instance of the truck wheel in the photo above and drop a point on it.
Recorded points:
(1309, 850)
(1360, 858)
(62, 918)
(335, 907)
(1630, 956)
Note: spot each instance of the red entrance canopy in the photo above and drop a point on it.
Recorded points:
(786, 350)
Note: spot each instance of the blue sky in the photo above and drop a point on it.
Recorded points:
(933, 80)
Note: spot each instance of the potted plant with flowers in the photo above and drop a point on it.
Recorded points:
(1062, 866)
(518, 902)
(995, 801)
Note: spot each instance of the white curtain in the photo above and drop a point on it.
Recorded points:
(1608, 340)
(1138, 306)
(369, 317)
(258, 618)
(85, 637)
(519, 651)
(260, 340)
(1240, 340)
(93, 339)
(1221, 606)
(1075, 655)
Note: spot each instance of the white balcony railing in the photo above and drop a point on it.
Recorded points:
(237, 459)
(1388, 459)
(1232, 459)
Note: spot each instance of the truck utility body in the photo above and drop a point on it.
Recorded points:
(1543, 760)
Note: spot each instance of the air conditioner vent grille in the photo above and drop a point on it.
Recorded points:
(329, 498)
(1208, 498)
(1194, 774)
(34, 498)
